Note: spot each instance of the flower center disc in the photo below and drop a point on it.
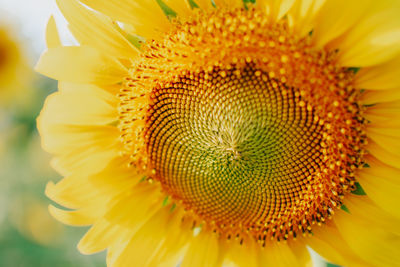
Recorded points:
(235, 147)
(249, 128)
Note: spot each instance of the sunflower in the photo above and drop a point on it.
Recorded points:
(210, 133)
(13, 67)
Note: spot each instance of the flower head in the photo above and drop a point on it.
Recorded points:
(206, 133)
(13, 67)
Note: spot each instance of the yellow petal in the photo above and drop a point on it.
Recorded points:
(86, 151)
(203, 250)
(386, 107)
(147, 241)
(82, 217)
(248, 257)
(387, 142)
(328, 242)
(72, 134)
(377, 96)
(92, 106)
(100, 236)
(135, 205)
(390, 129)
(276, 9)
(285, 255)
(229, 3)
(326, 250)
(204, 4)
(381, 168)
(74, 192)
(365, 209)
(63, 138)
(95, 30)
(80, 64)
(380, 182)
(376, 245)
(281, 7)
(373, 40)
(116, 177)
(176, 241)
(182, 7)
(114, 250)
(389, 118)
(52, 37)
(302, 15)
(83, 160)
(90, 192)
(383, 76)
(383, 111)
(301, 253)
(383, 155)
(145, 16)
(336, 17)
(117, 245)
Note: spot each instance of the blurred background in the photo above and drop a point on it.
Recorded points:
(29, 236)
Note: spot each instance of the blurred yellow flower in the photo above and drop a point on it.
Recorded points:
(32, 219)
(14, 70)
(208, 133)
